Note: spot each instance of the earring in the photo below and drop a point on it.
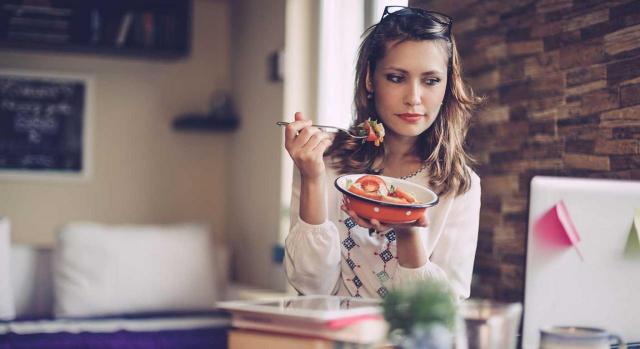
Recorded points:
(369, 95)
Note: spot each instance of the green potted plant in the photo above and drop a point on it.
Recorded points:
(421, 315)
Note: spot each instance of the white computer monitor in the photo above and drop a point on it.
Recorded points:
(602, 289)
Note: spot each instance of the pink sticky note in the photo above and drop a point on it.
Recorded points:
(556, 228)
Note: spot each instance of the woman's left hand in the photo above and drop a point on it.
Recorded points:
(422, 222)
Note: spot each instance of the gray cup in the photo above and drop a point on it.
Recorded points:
(570, 337)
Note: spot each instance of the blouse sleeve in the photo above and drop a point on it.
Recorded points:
(453, 256)
(312, 252)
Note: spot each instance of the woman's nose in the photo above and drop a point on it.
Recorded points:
(412, 95)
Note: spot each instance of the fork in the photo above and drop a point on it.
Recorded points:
(284, 123)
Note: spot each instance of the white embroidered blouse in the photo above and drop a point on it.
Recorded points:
(340, 257)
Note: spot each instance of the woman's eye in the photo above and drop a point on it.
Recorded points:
(394, 78)
(432, 82)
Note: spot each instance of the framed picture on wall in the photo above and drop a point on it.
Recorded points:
(45, 125)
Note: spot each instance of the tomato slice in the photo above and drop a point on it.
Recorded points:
(365, 194)
(371, 135)
(371, 183)
(399, 193)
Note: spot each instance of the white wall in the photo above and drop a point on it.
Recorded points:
(144, 172)
(255, 157)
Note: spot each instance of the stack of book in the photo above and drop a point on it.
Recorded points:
(46, 24)
(302, 322)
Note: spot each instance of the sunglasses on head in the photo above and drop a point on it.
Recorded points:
(440, 18)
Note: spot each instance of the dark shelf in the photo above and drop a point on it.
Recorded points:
(205, 123)
(131, 28)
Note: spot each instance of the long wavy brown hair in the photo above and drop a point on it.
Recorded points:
(441, 146)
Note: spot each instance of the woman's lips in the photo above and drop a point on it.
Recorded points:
(411, 118)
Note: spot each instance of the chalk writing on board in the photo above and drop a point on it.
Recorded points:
(42, 123)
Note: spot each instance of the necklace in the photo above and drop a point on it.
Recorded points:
(412, 174)
(424, 165)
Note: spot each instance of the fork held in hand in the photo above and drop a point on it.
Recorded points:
(284, 123)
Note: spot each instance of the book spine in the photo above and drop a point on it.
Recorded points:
(125, 27)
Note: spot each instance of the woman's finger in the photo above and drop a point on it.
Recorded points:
(422, 222)
(304, 136)
(292, 131)
(315, 139)
(377, 225)
(322, 145)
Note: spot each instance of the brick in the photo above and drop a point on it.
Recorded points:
(622, 40)
(545, 6)
(543, 63)
(629, 95)
(579, 146)
(546, 29)
(549, 85)
(584, 88)
(630, 82)
(466, 25)
(539, 102)
(582, 55)
(489, 218)
(586, 20)
(587, 132)
(505, 156)
(514, 205)
(559, 40)
(496, 52)
(485, 81)
(625, 162)
(512, 72)
(514, 92)
(543, 127)
(500, 185)
(586, 162)
(525, 47)
(493, 115)
(531, 165)
(629, 116)
(550, 150)
(512, 276)
(518, 113)
(548, 114)
(583, 75)
(620, 71)
(600, 100)
(617, 147)
(625, 9)
(625, 132)
(518, 34)
(602, 29)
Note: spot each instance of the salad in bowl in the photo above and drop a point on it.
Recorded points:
(387, 199)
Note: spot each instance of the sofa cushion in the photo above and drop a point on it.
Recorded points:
(7, 309)
(104, 270)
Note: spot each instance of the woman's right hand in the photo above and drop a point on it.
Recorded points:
(306, 146)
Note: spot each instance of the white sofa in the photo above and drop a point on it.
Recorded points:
(121, 287)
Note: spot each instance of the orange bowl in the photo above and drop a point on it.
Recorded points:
(387, 212)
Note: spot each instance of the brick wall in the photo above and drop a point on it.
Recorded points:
(562, 82)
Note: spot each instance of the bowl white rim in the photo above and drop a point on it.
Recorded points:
(384, 203)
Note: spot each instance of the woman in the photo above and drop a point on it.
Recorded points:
(408, 77)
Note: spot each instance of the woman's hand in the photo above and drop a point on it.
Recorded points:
(410, 248)
(306, 146)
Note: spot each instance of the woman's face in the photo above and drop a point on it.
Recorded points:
(409, 85)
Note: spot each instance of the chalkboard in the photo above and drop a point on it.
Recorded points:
(43, 124)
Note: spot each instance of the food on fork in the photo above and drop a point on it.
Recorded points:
(373, 130)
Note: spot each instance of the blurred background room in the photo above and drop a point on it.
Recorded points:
(181, 97)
